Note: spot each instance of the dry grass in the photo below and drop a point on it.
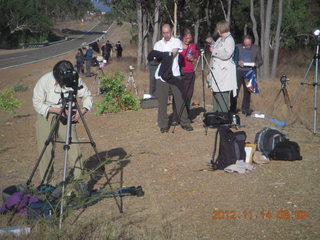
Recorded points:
(94, 224)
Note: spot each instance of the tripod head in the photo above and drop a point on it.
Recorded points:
(283, 81)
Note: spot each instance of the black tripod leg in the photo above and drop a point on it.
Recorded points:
(47, 142)
(203, 90)
(94, 146)
(298, 91)
(275, 100)
(287, 99)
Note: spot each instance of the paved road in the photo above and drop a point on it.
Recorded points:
(35, 55)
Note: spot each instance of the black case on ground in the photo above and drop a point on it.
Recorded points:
(286, 150)
(216, 119)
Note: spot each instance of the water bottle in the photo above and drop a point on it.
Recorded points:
(234, 119)
(189, 54)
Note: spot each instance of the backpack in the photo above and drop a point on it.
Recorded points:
(286, 150)
(235, 56)
(231, 148)
(267, 139)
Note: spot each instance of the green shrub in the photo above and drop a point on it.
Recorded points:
(7, 101)
(20, 88)
(115, 97)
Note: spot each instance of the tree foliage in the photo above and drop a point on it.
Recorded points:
(115, 97)
(7, 101)
(24, 19)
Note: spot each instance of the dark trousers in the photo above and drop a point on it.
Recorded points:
(152, 79)
(80, 67)
(119, 53)
(106, 56)
(245, 107)
(187, 88)
(162, 93)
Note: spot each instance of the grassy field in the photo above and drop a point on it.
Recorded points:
(181, 194)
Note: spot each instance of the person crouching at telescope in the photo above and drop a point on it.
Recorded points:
(47, 101)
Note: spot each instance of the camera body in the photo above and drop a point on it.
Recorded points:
(70, 78)
(284, 79)
(131, 68)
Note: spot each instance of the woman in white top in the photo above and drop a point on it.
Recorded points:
(222, 77)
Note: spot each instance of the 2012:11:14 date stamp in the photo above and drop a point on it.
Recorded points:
(263, 214)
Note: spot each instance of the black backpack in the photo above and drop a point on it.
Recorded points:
(231, 148)
(286, 150)
(267, 139)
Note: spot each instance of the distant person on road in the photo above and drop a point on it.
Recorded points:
(119, 49)
(80, 61)
(88, 58)
(106, 50)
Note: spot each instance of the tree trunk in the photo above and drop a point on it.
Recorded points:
(223, 10)
(145, 28)
(140, 33)
(156, 26)
(254, 24)
(277, 42)
(196, 31)
(266, 62)
(208, 18)
(262, 22)
(229, 10)
(245, 29)
(175, 18)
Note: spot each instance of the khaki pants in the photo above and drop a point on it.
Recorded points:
(221, 101)
(43, 127)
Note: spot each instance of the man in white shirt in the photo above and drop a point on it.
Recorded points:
(47, 102)
(173, 45)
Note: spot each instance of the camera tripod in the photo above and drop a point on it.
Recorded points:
(204, 61)
(315, 84)
(131, 81)
(68, 104)
(284, 92)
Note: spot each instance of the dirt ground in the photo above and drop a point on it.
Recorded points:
(183, 199)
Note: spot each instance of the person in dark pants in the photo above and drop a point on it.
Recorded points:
(153, 65)
(106, 50)
(79, 61)
(119, 49)
(88, 58)
(186, 57)
(249, 58)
